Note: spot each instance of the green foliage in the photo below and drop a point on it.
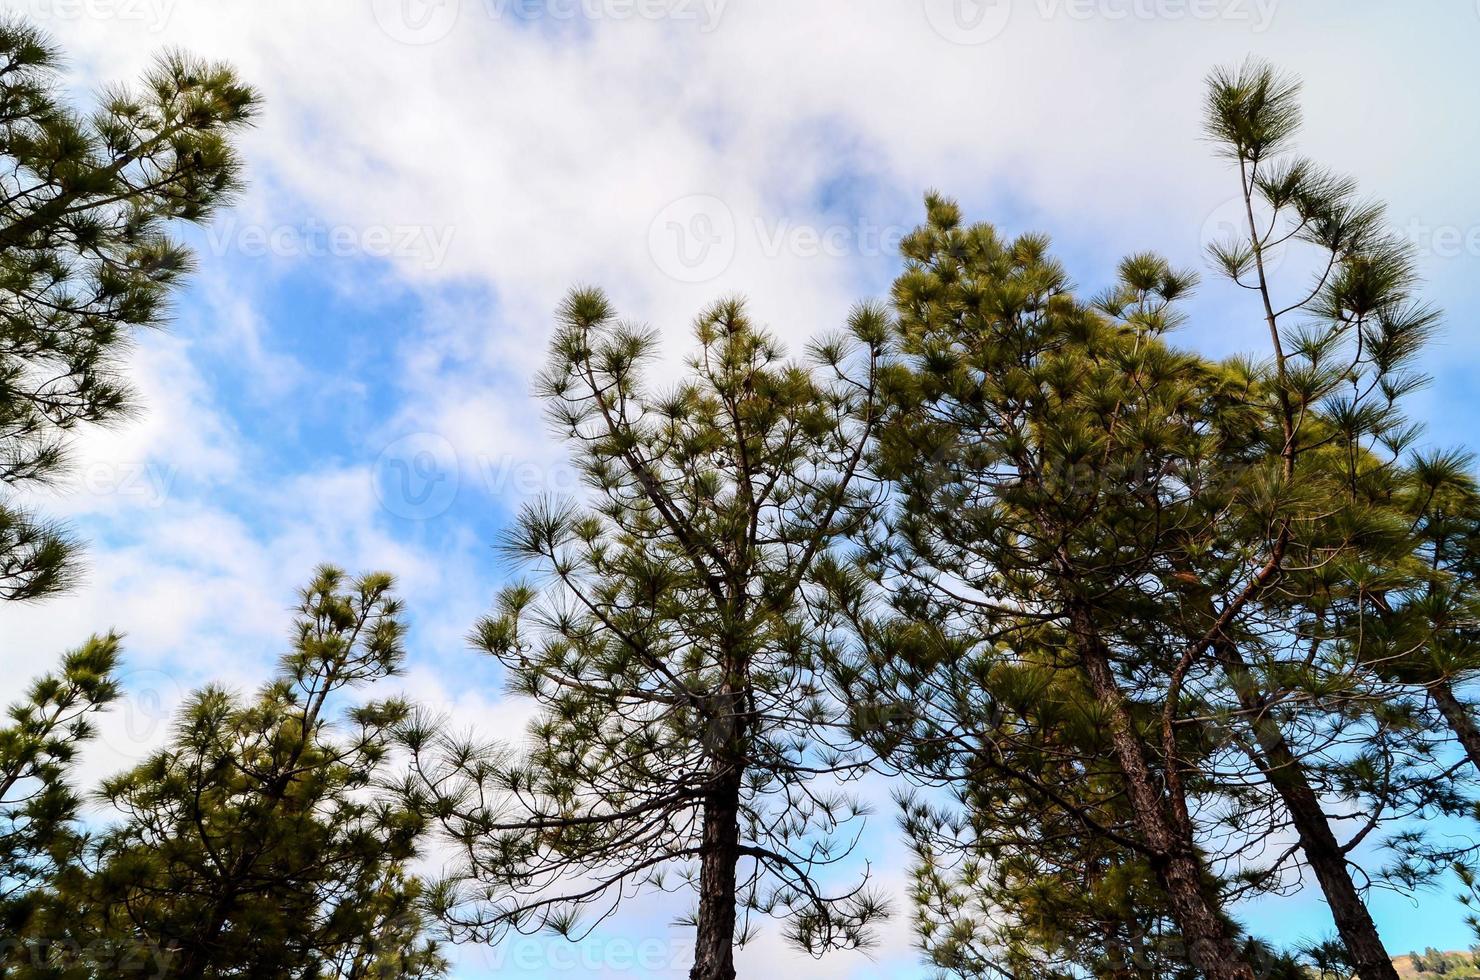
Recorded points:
(261, 840)
(1440, 964)
(1064, 441)
(86, 257)
(1130, 607)
(683, 716)
(1385, 577)
(257, 843)
(38, 833)
(1147, 633)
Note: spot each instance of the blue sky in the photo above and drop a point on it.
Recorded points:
(346, 378)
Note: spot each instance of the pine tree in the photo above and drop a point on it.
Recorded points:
(669, 647)
(264, 839)
(1222, 555)
(38, 833)
(1055, 431)
(1007, 881)
(1434, 641)
(86, 258)
(1027, 864)
(1342, 346)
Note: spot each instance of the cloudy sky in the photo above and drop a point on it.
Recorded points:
(346, 378)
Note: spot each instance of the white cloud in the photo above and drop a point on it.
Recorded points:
(489, 170)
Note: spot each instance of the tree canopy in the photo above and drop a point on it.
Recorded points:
(1137, 635)
(87, 257)
(668, 645)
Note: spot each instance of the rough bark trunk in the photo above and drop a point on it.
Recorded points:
(1461, 722)
(1175, 860)
(1323, 853)
(714, 946)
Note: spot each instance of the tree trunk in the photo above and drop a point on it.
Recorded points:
(1174, 859)
(1285, 773)
(1287, 776)
(714, 946)
(1322, 852)
(198, 952)
(1461, 722)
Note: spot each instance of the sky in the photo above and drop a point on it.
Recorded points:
(346, 377)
